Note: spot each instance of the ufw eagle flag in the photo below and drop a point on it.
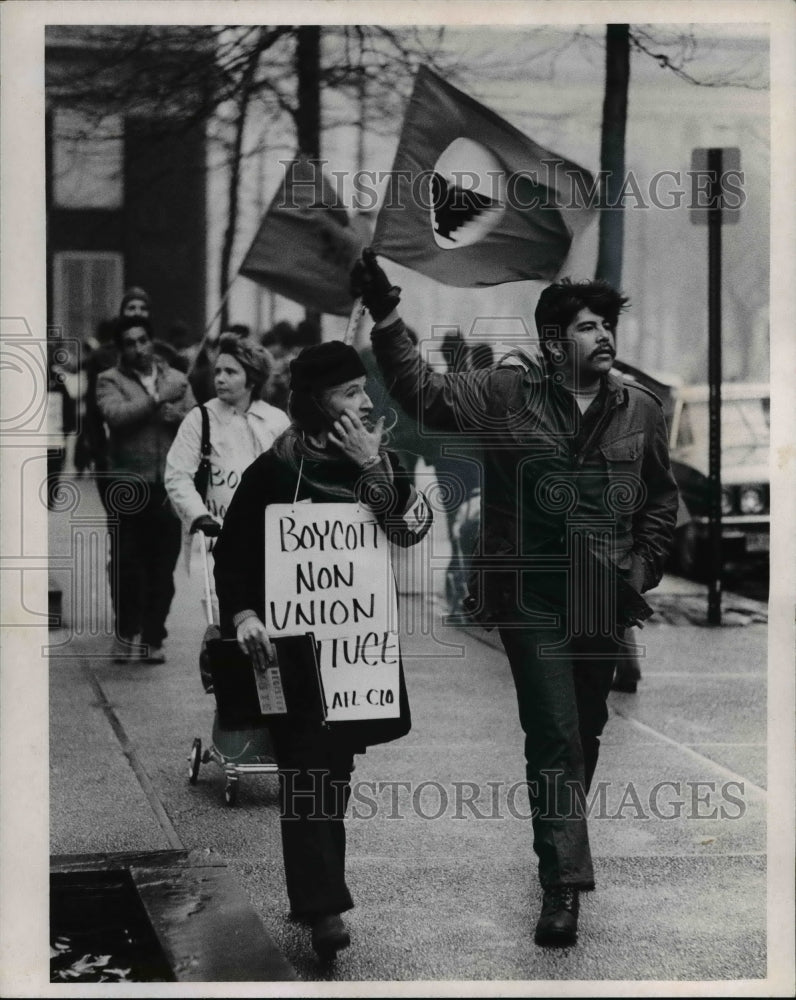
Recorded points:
(472, 201)
(305, 247)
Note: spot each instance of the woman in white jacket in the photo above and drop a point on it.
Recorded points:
(242, 426)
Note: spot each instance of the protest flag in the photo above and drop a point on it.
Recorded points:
(471, 201)
(305, 246)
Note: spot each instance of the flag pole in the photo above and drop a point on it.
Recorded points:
(354, 320)
(213, 318)
(221, 305)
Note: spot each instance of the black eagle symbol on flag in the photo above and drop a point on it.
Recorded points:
(455, 206)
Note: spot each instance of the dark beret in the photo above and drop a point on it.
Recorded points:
(324, 365)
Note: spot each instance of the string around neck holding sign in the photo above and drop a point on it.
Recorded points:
(298, 480)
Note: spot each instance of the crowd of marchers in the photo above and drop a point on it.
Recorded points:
(572, 487)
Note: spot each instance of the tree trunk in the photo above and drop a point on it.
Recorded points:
(233, 186)
(308, 120)
(612, 152)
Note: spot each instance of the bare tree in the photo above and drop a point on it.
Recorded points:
(676, 52)
(263, 40)
(214, 77)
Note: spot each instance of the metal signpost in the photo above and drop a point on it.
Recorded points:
(709, 205)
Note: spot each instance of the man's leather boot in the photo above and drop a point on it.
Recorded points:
(329, 935)
(558, 923)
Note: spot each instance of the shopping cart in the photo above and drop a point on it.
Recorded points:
(237, 751)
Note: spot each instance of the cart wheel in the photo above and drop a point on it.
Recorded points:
(195, 760)
(231, 791)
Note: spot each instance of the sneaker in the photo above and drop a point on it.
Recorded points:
(155, 655)
(558, 923)
(329, 935)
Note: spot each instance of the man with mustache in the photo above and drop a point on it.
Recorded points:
(578, 511)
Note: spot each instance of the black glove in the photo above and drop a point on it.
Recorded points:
(207, 525)
(369, 282)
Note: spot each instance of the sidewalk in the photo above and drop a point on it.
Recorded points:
(446, 890)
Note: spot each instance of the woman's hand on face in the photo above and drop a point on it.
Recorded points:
(254, 641)
(355, 441)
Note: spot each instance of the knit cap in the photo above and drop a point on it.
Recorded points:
(323, 365)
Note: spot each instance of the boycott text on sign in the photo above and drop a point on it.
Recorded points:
(328, 571)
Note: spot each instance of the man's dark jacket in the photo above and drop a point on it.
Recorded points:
(546, 471)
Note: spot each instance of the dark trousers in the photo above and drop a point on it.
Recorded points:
(103, 484)
(315, 768)
(562, 706)
(144, 553)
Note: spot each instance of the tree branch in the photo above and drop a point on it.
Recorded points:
(687, 48)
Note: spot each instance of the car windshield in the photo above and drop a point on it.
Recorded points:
(744, 428)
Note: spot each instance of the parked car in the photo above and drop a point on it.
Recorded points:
(745, 422)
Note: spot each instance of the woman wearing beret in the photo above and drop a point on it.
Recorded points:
(330, 454)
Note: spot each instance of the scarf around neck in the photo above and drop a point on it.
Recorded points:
(320, 468)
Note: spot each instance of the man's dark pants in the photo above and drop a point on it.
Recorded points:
(562, 695)
(143, 556)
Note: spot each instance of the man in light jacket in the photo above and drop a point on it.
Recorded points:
(142, 402)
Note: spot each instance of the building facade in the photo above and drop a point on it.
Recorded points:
(126, 192)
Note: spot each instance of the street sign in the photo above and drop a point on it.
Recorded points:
(712, 189)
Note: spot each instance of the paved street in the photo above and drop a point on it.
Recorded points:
(445, 888)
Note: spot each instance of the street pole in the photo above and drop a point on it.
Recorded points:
(715, 158)
(718, 167)
(308, 119)
(612, 153)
